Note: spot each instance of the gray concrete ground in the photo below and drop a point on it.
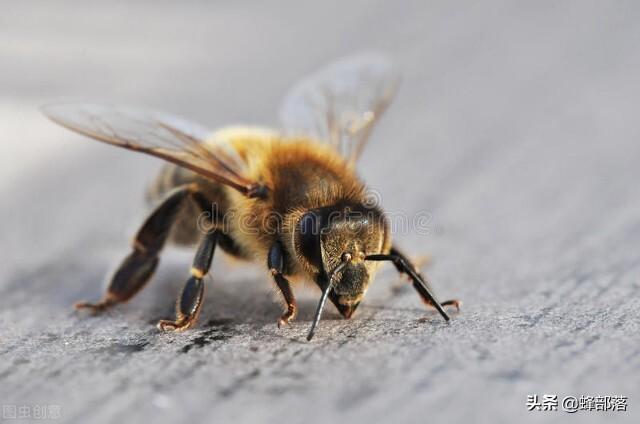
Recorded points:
(515, 130)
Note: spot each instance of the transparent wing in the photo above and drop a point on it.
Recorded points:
(158, 134)
(340, 103)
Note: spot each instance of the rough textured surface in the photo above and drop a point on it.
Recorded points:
(515, 130)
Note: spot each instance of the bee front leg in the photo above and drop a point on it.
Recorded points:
(190, 300)
(275, 261)
(420, 283)
(138, 267)
(403, 264)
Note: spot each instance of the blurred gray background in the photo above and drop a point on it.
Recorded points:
(515, 129)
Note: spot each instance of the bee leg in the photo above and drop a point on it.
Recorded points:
(275, 261)
(420, 283)
(415, 265)
(190, 300)
(451, 302)
(138, 267)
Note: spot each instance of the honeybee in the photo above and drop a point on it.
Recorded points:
(289, 198)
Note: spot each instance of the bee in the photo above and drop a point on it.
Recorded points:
(289, 198)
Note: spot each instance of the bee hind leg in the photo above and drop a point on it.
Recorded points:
(138, 267)
(190, 300)
(275, 261)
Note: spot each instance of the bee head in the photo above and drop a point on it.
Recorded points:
(335, 240)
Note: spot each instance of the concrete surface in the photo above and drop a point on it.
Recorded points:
(515, 130)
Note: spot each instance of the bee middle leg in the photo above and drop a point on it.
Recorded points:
(138, 267)
(275, 261)
(190, 300)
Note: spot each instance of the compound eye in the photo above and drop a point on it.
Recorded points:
(310, 237)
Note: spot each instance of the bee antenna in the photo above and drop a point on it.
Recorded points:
(325, 294)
